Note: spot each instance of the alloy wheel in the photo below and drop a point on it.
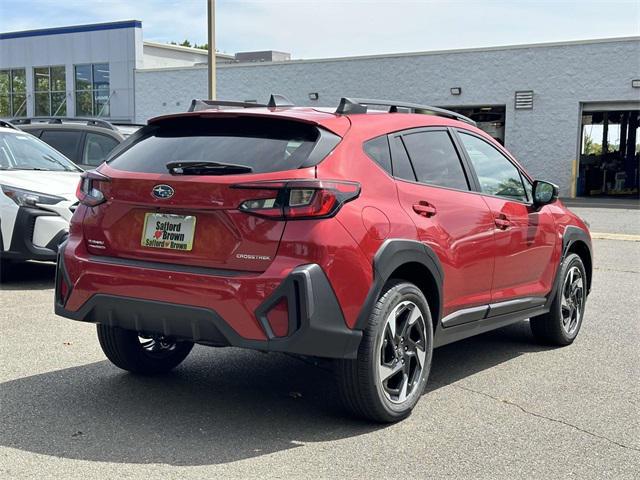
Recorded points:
(573, 296)
(157, 346)
(403, 352)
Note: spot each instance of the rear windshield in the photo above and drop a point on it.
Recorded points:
(265, 145)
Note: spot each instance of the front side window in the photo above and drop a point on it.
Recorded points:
(92, 90)
(21, 151)
(50, 91)
(435, 160)
(528, 186)
(13, 93)
(496, 174)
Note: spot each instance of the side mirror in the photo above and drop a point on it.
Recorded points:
(544, 192)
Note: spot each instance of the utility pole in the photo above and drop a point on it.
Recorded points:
(211, 54)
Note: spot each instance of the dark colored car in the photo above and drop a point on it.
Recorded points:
(367, 237)
(84, 141)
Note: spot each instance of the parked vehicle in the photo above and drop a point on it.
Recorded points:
(85, 141)
(368, 237)
(37, 198)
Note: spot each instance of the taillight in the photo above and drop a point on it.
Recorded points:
(298, 199)
(88, 191)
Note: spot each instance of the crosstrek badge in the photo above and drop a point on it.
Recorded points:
(173, 232)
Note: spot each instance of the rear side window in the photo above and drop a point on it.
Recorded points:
(378, 150)
(401, 163)
(96, 148)
(265, 145)
(435, 159)
(65, 141)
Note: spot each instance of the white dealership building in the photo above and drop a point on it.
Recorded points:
(568, 110)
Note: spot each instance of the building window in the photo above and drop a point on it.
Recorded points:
(50, 91)
(13, 93)
(92, 90)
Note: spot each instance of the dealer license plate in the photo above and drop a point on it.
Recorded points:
(174, 232)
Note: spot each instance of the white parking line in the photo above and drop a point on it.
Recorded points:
(615, 236)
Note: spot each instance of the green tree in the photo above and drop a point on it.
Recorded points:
(591, 148)
(187, 43)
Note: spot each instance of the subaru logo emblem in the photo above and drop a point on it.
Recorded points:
(162, 191)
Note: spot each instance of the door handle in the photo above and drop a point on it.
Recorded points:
(424, 209)
(502, 221)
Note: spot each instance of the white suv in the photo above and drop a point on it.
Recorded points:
(37, 197)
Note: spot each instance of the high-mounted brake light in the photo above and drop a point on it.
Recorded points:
(88, 191)
(298, 199)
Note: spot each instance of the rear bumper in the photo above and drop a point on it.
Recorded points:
(316, 325)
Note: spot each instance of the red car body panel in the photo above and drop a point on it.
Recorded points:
(461, 233)
(211, 199)
(526, 253)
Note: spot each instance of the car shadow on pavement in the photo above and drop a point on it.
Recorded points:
(220, 406)
(29, 276)
(462, 359)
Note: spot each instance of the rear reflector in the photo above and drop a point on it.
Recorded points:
(298, 199)
(63, 291)
(62, 286)
(278, 318)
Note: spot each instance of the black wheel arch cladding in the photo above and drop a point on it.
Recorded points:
(576, 240)
(573, 238)
(392, 255)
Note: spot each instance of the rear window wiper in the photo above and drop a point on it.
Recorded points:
(206, 168)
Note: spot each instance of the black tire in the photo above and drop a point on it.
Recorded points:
(554, 328)
(4, 263)
(4, 269)
(361, 389)
(125, 350)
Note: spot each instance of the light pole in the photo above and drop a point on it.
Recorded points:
(211, 54)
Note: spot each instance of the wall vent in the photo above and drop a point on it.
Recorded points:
(524, 99)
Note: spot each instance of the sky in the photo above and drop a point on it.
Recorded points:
(332, 28)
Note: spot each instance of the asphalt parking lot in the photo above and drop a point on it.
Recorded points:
(496, 406)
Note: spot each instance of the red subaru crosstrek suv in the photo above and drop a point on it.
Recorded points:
(370, 235)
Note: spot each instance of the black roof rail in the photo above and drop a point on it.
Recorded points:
(275, 101)
(198, 104)
(348, 105)
(279, 101)
(6, 124)
(96, 122)
(128, 124)
(359, 105)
